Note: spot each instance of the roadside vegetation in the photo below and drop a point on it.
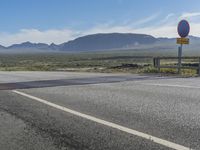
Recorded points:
(110, 62)
(168, 71)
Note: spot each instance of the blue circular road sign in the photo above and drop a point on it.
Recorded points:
(183, 28)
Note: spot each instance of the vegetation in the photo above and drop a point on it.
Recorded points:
(127, 62)
(62, 61)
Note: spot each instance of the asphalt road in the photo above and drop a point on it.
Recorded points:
(90, 111)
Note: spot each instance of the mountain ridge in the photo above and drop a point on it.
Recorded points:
(107, 41)
(101, 41)
(29, 45)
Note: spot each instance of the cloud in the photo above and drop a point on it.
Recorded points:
(190, 15)
(163, 28)
(161, 31)
(145, 20)
(37, 36)
(195, 29)
(167, 18)
(166, 27)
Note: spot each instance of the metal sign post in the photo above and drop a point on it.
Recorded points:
(183, 31)
(179, 58)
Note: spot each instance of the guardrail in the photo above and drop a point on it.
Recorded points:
(195, 64)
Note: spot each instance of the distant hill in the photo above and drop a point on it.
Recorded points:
(107, 41)
(2, 47)
(104, 42)
(54, 47)
(27, 45)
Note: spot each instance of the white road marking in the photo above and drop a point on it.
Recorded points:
(107, 123)
(172, 85)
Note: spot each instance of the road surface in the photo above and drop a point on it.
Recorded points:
(91, 111)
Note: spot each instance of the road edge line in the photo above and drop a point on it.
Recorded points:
(107, 123)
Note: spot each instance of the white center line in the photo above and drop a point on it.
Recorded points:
(107, 123)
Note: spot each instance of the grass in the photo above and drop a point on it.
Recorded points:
(56, 61)
(169, 71)
(127, 62)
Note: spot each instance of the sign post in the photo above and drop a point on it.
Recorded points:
(180, 48)
(183, 31)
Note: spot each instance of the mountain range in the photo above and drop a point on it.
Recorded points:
(102, 42)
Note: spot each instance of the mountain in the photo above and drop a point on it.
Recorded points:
(103, 42)
(107, 41)
(29, 45)
(54, 46)
(2, 47)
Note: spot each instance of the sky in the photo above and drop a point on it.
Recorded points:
(58, 21)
